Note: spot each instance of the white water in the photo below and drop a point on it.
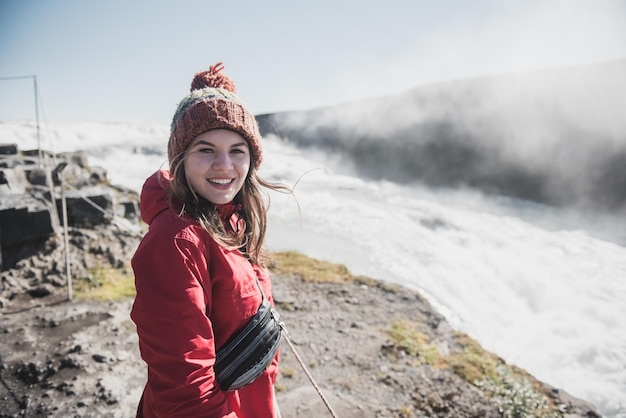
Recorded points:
(543, 294)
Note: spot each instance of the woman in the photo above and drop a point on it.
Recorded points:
(199, 270)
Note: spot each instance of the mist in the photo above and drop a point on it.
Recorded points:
(556, 137)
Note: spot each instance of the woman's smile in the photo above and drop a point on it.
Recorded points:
(221, 181)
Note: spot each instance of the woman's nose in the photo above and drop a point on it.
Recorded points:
(222, 160)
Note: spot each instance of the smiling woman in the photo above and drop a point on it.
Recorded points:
(216, 165)
(200, 272)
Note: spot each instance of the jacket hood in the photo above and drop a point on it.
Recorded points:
(155, 195)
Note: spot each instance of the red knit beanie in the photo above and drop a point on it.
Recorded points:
(213, 104)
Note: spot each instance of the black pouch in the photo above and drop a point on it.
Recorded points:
(246, 355)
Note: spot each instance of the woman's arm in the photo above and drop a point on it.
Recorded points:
(175, 335)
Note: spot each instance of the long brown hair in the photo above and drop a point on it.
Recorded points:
(254, 202)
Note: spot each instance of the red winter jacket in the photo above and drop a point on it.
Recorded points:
(192, 295)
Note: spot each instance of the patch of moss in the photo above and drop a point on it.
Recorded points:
(288, 372)
(105, 283)
(405, 411)
(473, 363)
(309, 269)
(406, 336)
(514, 390)
(384, 286)
(367, 281)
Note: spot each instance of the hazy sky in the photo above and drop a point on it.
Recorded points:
(134, 60)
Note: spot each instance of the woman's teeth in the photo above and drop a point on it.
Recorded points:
(220, 181)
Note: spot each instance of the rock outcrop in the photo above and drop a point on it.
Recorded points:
(45, 196)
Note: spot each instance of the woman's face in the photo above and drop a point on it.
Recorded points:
(216, 165)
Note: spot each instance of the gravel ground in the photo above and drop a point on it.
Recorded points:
(80, 358)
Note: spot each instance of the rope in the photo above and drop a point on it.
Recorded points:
(306, 371)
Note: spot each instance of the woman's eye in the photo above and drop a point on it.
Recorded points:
(205, 150)
(238, 151)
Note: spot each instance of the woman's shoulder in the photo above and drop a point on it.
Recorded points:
(167, 229)
(171, 225)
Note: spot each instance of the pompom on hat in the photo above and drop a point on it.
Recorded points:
(212, 104)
